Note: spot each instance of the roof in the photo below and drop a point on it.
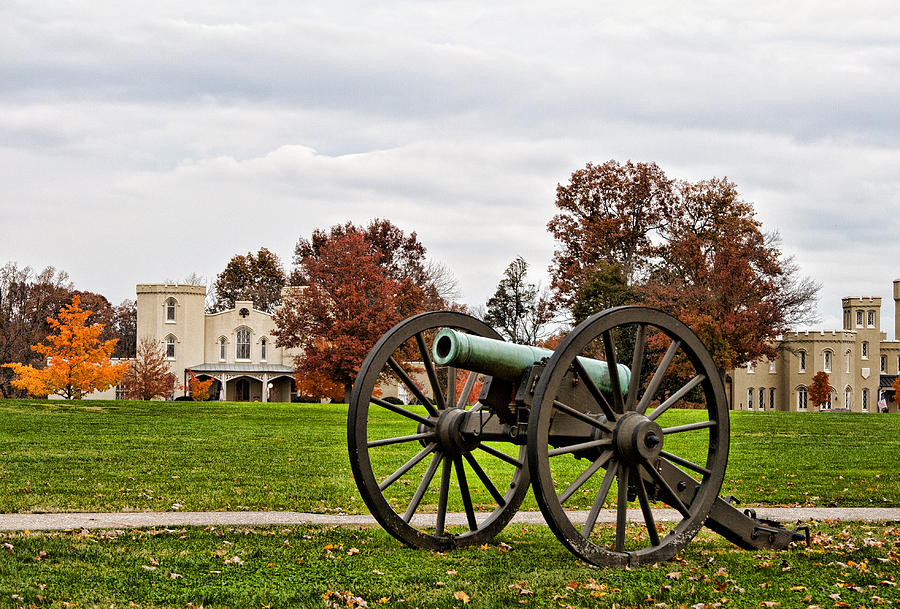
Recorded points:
(234, 368)
(887, 380)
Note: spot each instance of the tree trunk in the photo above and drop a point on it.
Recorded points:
(348, 388)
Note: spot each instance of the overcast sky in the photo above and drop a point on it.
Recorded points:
(145, 141)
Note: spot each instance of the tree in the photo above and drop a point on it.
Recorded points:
(258, 277)
(77, 361)
(27, 300)
(125, 329)
(400, 256)
(819, 390)
(199, 390)
(609, 214)
(896, 387)
(349, 301)
(515, 309)
(149, 375)
(693, 249)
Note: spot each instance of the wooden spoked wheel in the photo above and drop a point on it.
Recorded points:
(412, 464)
(661, 439)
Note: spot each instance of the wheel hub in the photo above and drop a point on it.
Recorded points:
(449, 428)
(637, 438)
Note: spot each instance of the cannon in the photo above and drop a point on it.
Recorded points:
(626, 415)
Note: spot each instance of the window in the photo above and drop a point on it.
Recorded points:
(772, 367)
(802, 398)
(848, 397)
(750, 399)
(802, 357)
(170, 309)
(751, 367)
(121, 392)
(263, 344)
(827, 361)
(871, 319)
(865, 399)
(884, 364)
(865, 349)
(170, 347)
(762, 398)
(847, 362)
(243, 344)
(827, 404)
(859, 319)
(222, 349)
(771, 398)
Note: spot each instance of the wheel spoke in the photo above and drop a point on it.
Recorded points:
(645, 509)
(582, 416)
(676, 397)
(442, 498)
(679, 504)
(637, 362)
(582, 446)
(500, 455)
(585, 475)
(622, 506)
(467, 389)
(658, 376)
(464, 491)
(599, 499)
(402, 411)
(400, 439)
(425, 353)
(599, 398)
(609, 348)
(688, 427)
(485, 480)
(423, 486)
(407, 466)
(451, 385)
(684, 462)
(400, 372)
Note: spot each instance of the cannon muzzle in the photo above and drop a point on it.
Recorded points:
(509, 361)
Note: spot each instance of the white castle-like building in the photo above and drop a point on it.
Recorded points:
(860, 362)
(235, 348)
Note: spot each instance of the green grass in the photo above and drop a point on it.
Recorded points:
(131, 456)
(857, 565)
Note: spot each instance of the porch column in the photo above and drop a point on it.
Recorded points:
(265, 388)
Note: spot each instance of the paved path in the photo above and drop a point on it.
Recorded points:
(127, 520)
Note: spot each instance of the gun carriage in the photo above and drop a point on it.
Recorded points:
(598, 425)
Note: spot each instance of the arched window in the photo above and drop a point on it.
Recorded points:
(170, 347)
(865, 399)
(884, 364)
(801, 357)
(827, 360)
(170, 309)
(750, 399)
(802, 398)
(848, 397)
(263, 346)
(847, 362)
(865, 349)
(762, 398)
(771, 398)
(223, 354)
(243, 344)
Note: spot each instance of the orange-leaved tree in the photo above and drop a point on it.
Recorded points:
(199, 389)
(77, 361)
(149, 375)
(819, 390)
(896, 387)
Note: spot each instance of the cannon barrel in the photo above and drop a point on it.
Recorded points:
(508, 361)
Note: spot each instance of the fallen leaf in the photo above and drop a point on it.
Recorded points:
(461, 596)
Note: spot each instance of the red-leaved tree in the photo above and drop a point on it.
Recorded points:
(819, 390)
(349, 301)
(149, 375)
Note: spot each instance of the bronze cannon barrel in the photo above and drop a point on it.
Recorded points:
(508, 361)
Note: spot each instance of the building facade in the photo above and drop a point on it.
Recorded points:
(235, 348)
(860, 362)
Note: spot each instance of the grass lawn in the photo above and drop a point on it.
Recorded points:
(114, 456)
(129, 456)
(848, 565)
